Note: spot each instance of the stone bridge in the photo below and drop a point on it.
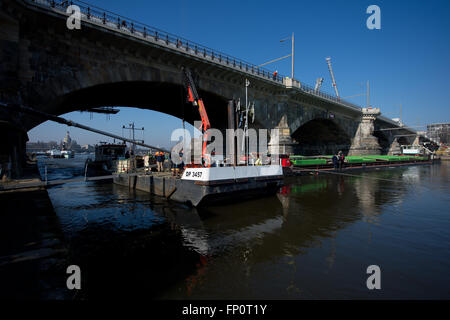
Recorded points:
(115, 62)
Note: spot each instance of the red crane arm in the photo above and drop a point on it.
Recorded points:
(197, 101)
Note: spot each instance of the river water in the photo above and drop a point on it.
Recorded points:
(313, 240)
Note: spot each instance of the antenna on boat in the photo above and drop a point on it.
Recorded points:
(247, 110)
(132, 129)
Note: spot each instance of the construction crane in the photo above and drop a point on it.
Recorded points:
(196, 101)
(319, 82)
(332, 76)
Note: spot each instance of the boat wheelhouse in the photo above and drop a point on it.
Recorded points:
(106, 155)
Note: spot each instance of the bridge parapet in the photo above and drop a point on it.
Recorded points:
(370, 113)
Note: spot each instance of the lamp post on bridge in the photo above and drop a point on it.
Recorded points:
(367, 94)
(292, 54)
(289, 55)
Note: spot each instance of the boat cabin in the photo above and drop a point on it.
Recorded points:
(109, 152)
(412, 150)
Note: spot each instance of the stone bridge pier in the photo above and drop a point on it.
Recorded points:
(13, 139)
(364, 142)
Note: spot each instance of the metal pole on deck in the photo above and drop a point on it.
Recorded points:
(245, 144)
(230, 139)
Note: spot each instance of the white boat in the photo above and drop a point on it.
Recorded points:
(67, 154)
(236, 174)
(54, 153)
(412, 150)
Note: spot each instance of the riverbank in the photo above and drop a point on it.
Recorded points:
(32, 254)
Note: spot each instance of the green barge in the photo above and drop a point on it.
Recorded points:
(325, 162)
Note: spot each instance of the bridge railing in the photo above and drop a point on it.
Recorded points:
(149, 33)
(311, 90)
(141, 30)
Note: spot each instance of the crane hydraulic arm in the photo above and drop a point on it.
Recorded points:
(47, 116)
(194, 98)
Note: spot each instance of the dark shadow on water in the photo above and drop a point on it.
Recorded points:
(133, 265)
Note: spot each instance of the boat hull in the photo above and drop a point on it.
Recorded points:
(210, 187)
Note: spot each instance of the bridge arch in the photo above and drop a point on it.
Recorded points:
(321, 136)
(164, 97)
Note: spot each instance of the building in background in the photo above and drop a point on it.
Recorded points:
(41, 146)
(439, 132)
(69, 144)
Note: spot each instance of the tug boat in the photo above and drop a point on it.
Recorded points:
(106, 155)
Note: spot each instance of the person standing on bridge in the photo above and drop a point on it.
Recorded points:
(275, 75)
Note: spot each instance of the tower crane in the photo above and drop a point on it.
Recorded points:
(319, 82)
(332, 76)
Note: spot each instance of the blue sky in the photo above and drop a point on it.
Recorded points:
(407, 62)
